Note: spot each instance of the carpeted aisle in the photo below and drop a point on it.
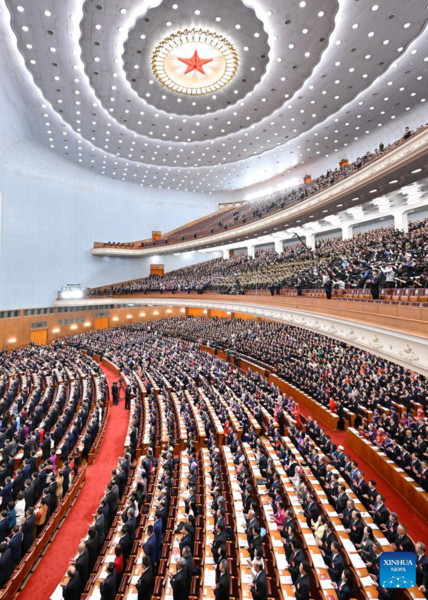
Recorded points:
(53, 565)
(416, 528)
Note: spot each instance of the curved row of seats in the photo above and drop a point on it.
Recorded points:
(348, 264)
(205, 389)
(55, 430)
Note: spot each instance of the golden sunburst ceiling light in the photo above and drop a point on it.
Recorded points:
(195, 62)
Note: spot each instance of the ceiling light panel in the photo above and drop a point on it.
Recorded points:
(251, 130)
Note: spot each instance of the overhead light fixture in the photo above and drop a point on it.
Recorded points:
(11, 340)
(195, 62)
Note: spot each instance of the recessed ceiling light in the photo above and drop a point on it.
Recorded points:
(375, 7)
(302, 4)
(20, 8)
(52, 49)
(123, 11)
(25, 28)
(406, 25)
(416, 171)
(218, 19)
(321, 13)
(197, 12)
(98, 26)
(372, 191)
(393, 181)
(237, 26)
(175, 6)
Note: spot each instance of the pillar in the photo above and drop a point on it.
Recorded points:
(278, 246)
(401, 220)
(347, 231)
(310, 240)
(251, 251)
(226, 253)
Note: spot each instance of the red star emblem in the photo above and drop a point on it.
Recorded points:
(195, 63)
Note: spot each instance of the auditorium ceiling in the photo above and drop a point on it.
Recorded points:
(216, 95)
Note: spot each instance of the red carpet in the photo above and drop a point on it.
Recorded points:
(416, 527)
(53, 565)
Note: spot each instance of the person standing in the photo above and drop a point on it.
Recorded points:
(302, 586)
(115, 393)
(178, 581)
(259, 586)
(71, 591)
(221, 591)
(328, 285)
(108, 586)
(128, 394)
(146, 583)
(374, 282)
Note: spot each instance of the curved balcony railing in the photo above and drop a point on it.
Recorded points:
(409, 155)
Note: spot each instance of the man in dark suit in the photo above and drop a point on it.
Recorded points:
(6, 564)
(327, 539)
(295, 559)
(302, 587)
(178, 581)
(82, 564)
(356, 527)
(311, 510)
(256, 542)
(187, 539)
(219, 540)
(341, 499)
(71, 590)
(92, 546)
(259, 586)
(100, 527)
(125, 542)
(421, 563)
(187, 555)
(108, 586)
(380, 512)
(146, 583)
(150, 546)
(221, 591)
(402, 542)
(27, 528)
(390, 527)
(335, 562)
(15, 544)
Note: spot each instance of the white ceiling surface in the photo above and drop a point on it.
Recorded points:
(336, 73)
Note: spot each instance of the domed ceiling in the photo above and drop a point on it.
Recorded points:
(216, 95)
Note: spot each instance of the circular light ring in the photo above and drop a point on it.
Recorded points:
(215, 62)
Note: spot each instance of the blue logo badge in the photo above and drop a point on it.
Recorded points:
(397, 569)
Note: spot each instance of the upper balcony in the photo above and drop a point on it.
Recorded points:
(399, 164)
